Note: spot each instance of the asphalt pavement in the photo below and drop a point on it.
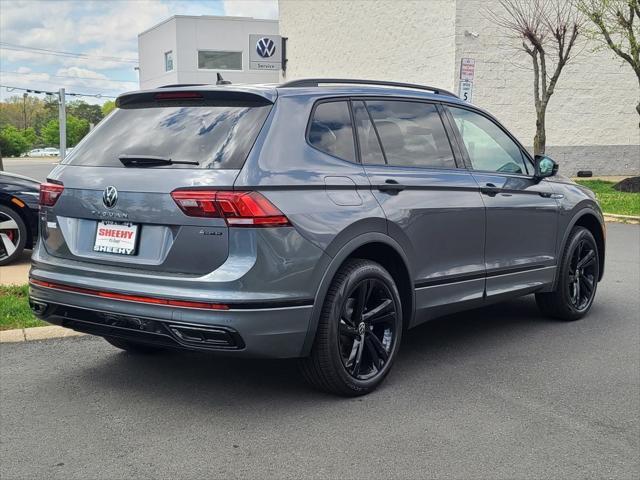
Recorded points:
(36, 168)
(496, 393)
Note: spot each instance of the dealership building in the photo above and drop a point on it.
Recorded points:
(591, 120)
(194, 49)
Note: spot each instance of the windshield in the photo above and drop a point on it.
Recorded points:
(213, 136)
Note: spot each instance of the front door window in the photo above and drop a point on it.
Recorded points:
(489, 147)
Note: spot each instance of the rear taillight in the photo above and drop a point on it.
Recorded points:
(49, 194)
(239, 209)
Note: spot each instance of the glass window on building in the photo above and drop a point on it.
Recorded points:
(213, 60)
(168, 61)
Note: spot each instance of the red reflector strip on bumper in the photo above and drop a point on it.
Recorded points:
(130, 298)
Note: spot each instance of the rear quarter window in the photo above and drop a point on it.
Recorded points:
(215, 136)
(331, 131)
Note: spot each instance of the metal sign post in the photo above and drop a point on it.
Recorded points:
(62, 123)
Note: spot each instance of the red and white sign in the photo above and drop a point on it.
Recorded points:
(116, 238)
(467, 69)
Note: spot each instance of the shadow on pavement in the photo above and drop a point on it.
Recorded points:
(209, 379)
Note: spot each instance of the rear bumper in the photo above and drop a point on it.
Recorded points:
(254, 332)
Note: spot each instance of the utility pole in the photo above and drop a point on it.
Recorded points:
(24, 109)
(62, 122)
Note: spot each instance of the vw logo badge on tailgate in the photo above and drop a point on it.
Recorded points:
(110, 197)
(265, 47)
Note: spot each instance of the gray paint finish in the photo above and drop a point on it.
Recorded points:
(461, 247)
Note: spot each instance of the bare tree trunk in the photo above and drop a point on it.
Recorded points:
(540, 140)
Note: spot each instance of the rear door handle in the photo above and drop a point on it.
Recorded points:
(490, 189)
(391, 186)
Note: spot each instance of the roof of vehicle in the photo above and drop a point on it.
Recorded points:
(309, 87)
(9, 177)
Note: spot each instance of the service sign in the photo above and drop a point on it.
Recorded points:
(467, 69)
(265, 52)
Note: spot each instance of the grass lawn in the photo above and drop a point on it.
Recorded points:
(14, 309)
(611, 200)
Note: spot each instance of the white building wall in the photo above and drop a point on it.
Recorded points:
(412, 41)
(188, 34)
(591, 119)
(152, 45)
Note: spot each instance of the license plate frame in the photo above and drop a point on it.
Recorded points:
(116, 238)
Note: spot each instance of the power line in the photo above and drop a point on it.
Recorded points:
(46, 92)
(69, 76)
(59, 53)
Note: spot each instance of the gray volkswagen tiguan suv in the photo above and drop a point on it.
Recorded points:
(316, 219)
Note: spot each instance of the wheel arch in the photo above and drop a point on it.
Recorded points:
(593, 222)
(379, 248)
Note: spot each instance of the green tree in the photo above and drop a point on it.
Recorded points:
(617, 25)
(30, 136)
(86, 111)
(12, 141)
(107, 107)
(77, 128)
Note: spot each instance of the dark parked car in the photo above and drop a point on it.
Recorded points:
(317, 219)
(18, 215)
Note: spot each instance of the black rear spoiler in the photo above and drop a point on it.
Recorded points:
(180, 96)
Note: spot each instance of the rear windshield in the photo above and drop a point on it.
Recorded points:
(214, 136)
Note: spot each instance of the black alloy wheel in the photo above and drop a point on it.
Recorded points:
(359, 331)
(577, 281)
(368, 325)
(582, 278)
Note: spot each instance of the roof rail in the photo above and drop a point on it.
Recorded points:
(316, 82)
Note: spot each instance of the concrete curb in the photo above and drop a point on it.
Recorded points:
(612, 217)
(36, 333)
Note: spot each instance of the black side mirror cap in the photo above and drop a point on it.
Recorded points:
(544, 167)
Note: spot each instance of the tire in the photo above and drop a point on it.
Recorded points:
(570, 300)
(13, 235)
(134, 347)
(355, 347)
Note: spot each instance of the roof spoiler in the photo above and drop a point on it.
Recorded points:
(167, 97)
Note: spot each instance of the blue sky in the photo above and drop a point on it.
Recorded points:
(104, 31)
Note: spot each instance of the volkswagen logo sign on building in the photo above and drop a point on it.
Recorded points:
(110, 197)
(265, 52)
(265, 47)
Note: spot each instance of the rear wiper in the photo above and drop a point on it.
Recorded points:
(142, 161)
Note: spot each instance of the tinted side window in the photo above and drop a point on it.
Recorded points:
(370, 150)
(489, 147)
(412, 134)
(331, 130)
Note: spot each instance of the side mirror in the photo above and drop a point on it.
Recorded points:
(544, 167)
